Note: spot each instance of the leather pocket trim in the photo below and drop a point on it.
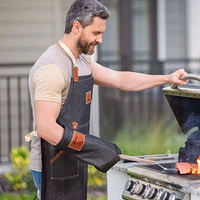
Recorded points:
(56, 156)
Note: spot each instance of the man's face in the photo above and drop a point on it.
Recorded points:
(91, 36)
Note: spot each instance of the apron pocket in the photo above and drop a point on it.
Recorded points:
(63, 166)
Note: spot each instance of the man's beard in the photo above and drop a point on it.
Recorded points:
(84, 47)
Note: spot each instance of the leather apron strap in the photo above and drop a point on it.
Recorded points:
(75, 66)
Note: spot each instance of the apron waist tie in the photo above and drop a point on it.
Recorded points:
(30, 135)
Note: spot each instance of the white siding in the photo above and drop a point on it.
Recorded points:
(67, 4)
(193, 31)
(27, 29)
(176, 29)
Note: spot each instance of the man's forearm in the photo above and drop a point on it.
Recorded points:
(130, 81)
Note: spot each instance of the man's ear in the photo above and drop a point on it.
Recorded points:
(77, 27)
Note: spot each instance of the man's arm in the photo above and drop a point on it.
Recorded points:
(132, 81)
(46, 113)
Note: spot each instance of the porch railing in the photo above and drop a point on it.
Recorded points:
(15, 109)
(116, 107)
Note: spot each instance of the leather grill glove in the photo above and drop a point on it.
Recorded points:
(90, 149)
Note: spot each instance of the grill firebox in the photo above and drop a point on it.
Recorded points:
(191, 177)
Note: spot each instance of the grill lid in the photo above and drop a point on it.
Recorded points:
(185, 104)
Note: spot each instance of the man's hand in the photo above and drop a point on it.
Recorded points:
(175, 77)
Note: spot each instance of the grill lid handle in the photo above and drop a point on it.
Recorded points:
(187, 77)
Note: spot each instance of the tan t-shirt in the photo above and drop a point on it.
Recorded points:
(49, 80)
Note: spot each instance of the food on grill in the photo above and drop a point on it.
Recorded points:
(189, 168)
(183, 167)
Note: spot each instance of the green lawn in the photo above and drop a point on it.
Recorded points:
(14, 197)
(27, 197)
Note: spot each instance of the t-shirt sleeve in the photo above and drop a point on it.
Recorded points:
(94, 66)
(49, 82)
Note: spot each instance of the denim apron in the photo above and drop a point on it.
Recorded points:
(63, 176)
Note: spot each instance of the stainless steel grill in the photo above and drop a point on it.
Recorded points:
(141, 181)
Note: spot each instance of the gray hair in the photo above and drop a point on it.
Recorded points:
(84, 12)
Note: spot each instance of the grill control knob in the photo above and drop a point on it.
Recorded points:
(153, 192)
(146, 193)
(165, 196)
(131, 186)
(158, 195)
(172, 196)
(140, 189)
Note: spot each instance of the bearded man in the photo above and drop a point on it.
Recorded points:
(60, 84)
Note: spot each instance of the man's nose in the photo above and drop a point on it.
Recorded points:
(99, 39)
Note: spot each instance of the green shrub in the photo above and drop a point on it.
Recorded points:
(95, 177)
(30, 187)
(14, 197)
(153, 138)
(19, 163)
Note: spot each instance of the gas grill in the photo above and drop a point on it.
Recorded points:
(134, 180)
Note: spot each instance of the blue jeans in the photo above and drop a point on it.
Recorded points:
(37, 178)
